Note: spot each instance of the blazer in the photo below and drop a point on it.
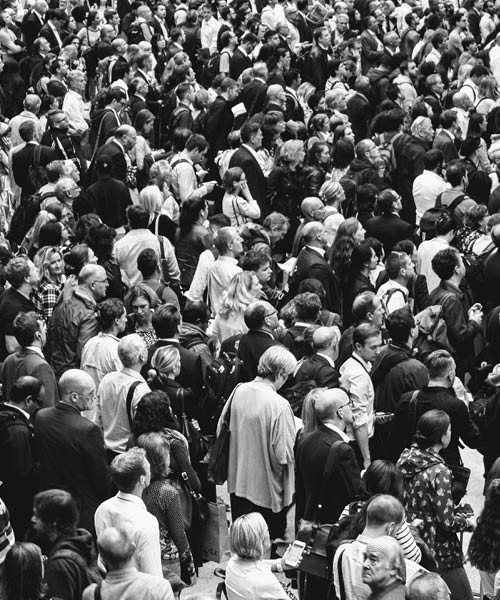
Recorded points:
(116, 156)
(318, 368)
(251, 347)
(238, 63)
(253, 96)
(255, 177)
(342, 487)
(218, 125)
(31, 29)
(23, 159)
(370, 55)
(311, 264)
(443, 142)
(48, 34)
(29, 362)
(71, 452)
(389, 229)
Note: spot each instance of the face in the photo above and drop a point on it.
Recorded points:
(142, 310)
(376, 571)
(372, 154)
(86, 398)
(33, 276)
(61, 122)
(427, 130)
(318, 212)
(324, 157)
(206, 14)
(121, 322)
(373, 261)
(377, 316)
(264, 273)
(359, 236)
(56, 265)
(325, 38)
(79, 84)
(445, 440)
(37, 523)
(257, 139)
(237, 245)
(371, 348)
(148, 126)
(130, 140)
(99, 285)
(161, 11)
(342, 24)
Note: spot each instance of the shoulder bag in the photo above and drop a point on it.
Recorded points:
(190, 429)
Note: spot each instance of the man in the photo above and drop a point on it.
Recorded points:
(261, 473)
(138, 92)
(359, 108)
(371, 46)
(220, 119)
(261, 318)
(22, 276)
(73, 321)
(70, 448)
(384, 516)
(437, 394)
(406, 83)
(253, 94)
(395, 370)
(457, 35)
(362, 169)
(57, 136)
(307, 308)
(100, 353)
(320, 367)
(74, 105)
(241, 59)
(384, 569)
(366, 308)
(209, 28)
(115, 151)
(276, 99)
(184, 176)
(119, 393)
(394, 294)
(246, 157)
(462, 104)
(311, 262)
(181, 116)
(52, 29)
(474, 17)
(123, 580)
(33, 23)
(18, 468)
(312, 208)
(428, 185)
(24, 158)
(463, 322)
(355, 378)
(149, 267)
(229, 245)
(489, 22)
(445, 232)
(388, 226)
(105, 122)
(294, 110)
(31, 106)
(435, 88)
(457, 177)
(327, 471)
(446, 137)
(30, 331)
(138, 238)
(194, 336)
(494, 55)
(316, 67)
(131, 474)
(426, 586)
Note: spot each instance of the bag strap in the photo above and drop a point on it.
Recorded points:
(454, 205)
(36, 156)
(130, 396)
(412, 411)
(341, 576)
(97, 592)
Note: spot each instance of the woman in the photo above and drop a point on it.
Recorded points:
(90, 34)
(160, 224)
(342, 156)
(52, 214)
(144, 156)
(192, 238)
(23, 573)
(10, 46)
(101, 239)
(484, 551)
(488, 95)
(427, 485)
(319, 129)
(201, 102)
(159, 47)
(248, 575)
(381, 477)
(363, 262)
(318, 167)
(162, 501)
(475, 132)
(79, 256)
(304, 93)
(475, 221)
(273, 127)
(140, 303)
(349, 235)
(161, 176)
(13, 88)
(243, 289)
(238, 203)
(50, 265)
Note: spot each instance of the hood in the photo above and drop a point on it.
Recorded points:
(96, 116)
(81, 543)
(375, 74)
(386, 360)
(191, 334)
(414, 460)
(359, 164)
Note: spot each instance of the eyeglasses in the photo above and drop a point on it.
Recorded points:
(99, 281)
(275, 312)
(350, 403)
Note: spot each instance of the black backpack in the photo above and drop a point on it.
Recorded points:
(25, 216)
(296, 393)
(432, 215)
(134, 33)
(474, 274)
(222, 375)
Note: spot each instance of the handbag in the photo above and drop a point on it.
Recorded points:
(199, 505)
(190, 429)
(215, 536)
(315, 534)
(460, 480)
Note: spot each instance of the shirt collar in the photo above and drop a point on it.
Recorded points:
(35, 349)
(131, 498)
(327, 358)
(320, 251)
(23, 412)
(342, 434)
(366, 365)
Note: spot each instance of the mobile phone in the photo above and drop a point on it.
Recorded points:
(477, 306)
(294, 554)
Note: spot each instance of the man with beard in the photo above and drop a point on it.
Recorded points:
(57, 136)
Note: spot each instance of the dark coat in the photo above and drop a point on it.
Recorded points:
(443, 142)
(253, 96)
(389, 229)
(116, 157)
(370, 56)
(285, 192)
(344, 485)
(218, 125)
(23, 159)
(255, 177)
(72, 457)
(136, 104)
(110, 199)
(251, 347)
(31, 29)
(360, 113)
(318, 68)
(409, 152)
(317, 368)
(238, 63)
(48, 34)
(311, 264)
(362, 171)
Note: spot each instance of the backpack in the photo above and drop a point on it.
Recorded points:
(222, 376)
(388, 295)
(134, 33)
(474, 273)
(432, 332)
(296, 393)
(211, 69)
(432, 215)
(173, 164)
(174, 117)
(25, 216)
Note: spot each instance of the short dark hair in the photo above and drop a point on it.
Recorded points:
(364, 331)
(25, 326)
(445, 262)
(399, 324)
(166, 320)
(255, 315)
(363, 304)
(147, 262)
(195, 312)
(197, 142)
(394, 263)
(290, 76)
(455, 172)
(109, 310)
(439, 363)
(254, 260)
(307, 306)
(27, 130)
(248, 130)
(431, 427)
(17, 270)
(138, 217)
(433, 159)
(59, 508)
(24, 387)
(445, 224)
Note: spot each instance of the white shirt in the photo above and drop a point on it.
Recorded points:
(129, 512)
(16, 121)
(343, 436)
(100, 356)
(76, 110)
(495, 61)
(223, 270)
(355, 378)
(397, 299)
(252, 580)
(209, 31)
(426, 188)
(425, 253)
(200, 280)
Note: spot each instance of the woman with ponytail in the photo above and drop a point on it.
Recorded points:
(427, 495)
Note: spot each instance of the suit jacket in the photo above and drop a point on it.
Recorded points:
(311, 264)
(443, 142)
(474, 20)
(360, 112)
(115, 155)
(253, 96)
(238, 63)
(29, 362)
(136, 104)
(48, 34)
(255, 177)
(31, 29)
(72, 457)
(317, 368)
(251, 347)
(218, 125)
(370, 51)
(23, 159)
(343, 485)
(389, 229)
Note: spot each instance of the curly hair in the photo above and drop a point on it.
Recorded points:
(484, 546)
(153, 414)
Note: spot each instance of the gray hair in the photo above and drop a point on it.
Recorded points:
(274, 361)
(130, 349)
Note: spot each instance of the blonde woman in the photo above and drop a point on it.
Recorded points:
(488, 95)
(238, 203)
(243, 290)
(161, 176)
(305, 91)
(50, 265)
(151, 199)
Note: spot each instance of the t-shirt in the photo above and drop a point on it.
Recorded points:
(11, 304)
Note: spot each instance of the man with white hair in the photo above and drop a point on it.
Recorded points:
(276, 99)
(70, 448)
(384, 569)
(31, 105)
(74, 321)
(74, 106)
(320, 367)
(254, 93)
(119, 394)
(462, 102)
(312, 209)
(428, 586)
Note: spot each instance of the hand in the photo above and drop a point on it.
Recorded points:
(366, 463)
(210, 185)
(475, 315)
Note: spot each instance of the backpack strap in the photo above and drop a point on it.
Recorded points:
(456, 203)
(97, 592)
(341, 576)
(412, 411)
(130, 396)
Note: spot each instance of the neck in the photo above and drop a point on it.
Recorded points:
(439, 383)
(112, 331)
(137, 491)
(336, 423)
(455, 280)
(437, 447)
(25, 290)
(374, 532)
(136, 367)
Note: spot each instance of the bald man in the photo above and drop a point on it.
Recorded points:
(114, 151)
(384, 569)
(74, 320)
(320, 367)
(312, 209)
(70, 448)
(426, 586)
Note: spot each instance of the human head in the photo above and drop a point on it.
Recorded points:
(384, 514)
(313, 234)
(399, 267)
(167, 321)
(23, 571)
(367, 308)
(130, 471)
(197, 313)
(259, 262)
(55, 513)
(116, 548)
(276, 364)
(276, 226)
(112, 315)
(366, 341)
(228, 242)
(248, 536)
(93, 277)
(383, 564)
(157, 447)
(307, 307)
(367, 150)
(166, 361)
(78, 389)
(153, 413)
(383, 477)
(20, 271)
(261, 315)
(27, 392)
(433, 429)
(30, 329)
(441, 367)
(251, 134)
(127, 136)
(422, 128)
(333, 406)
(197, 147)
(138, 217)
(132, 350)
(428, 586)
(448, 264)
(313, 209)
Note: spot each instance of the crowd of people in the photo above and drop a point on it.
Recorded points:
(277, 218)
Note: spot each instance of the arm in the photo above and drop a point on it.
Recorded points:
(408, 544)
(444, 507)
(200, 279)
(247, 207)
(170, 260)
(181, 457)
(467, 429)
(349, 467)
(140, 153)
(88, 328)
(148, 549)
(361, 435)
(95, 462)
(459, 330)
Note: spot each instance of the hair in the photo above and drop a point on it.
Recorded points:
(190, 213)
(130, 349)
(247, 536)
(76, 259)
(147, 262)
(288, 151)
(484, 546)
(196, 142)
(154, 413)
(24, 387)
(101, 239)
(439, 363)
(22, 572)
(115, 547)
(140, 290)
(474, 215)
(308, 415)
(151, 199)
(307, 306)
(141, 118)
(431, 427)
(274, 361)
(57, 507)
(239, 294)
(444, 225)
(363, 304)
(138, 217)
(314, 286)
(232, 175)
(16, 271)
(166, 320)
(361, 255)
(126, 469)
(25, 326)
(109, 311)
(42, 260)
(157, 447)
(445, 262)
(383, 477)
(395, 262)
(163, 362)
(254, 260)
(383, 509)
(363, 332)
(455, 172)
(428, 586)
